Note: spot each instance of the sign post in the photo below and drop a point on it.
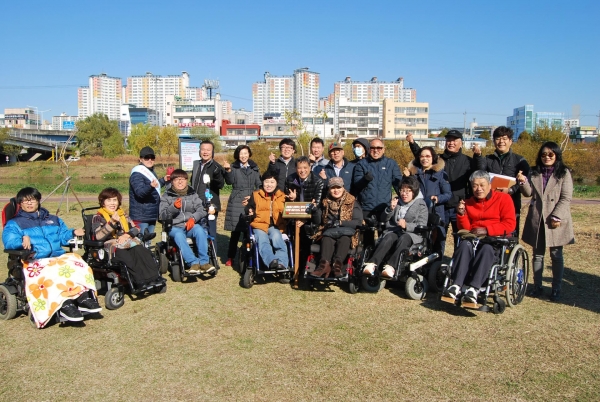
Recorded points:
(296, 210)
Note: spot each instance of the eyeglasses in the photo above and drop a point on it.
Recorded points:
(286, 147)
(405, 191)
(547, 154)
(29, 201)
(179, 179)
(149, 157)
(503, 139)
(376, 148)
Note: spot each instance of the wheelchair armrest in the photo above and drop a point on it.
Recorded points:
(93, 243)
(22, 254)
(421, 229)
(148, 236)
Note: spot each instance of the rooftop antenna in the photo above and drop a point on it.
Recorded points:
(210, 85)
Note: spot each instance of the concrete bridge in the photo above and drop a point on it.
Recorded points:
(39, 143)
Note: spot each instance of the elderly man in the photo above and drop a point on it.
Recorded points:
(458, 166)
(338, 166)
(487, 213)
(503, 161)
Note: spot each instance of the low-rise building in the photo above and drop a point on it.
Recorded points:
(583, 134)
(401, 118)
(186, 114)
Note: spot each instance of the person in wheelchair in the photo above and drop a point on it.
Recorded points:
(264, 210)
(55, 281)
(118, 232)
(401, 217)
(487, 213)
(338, 216)
(181, 203)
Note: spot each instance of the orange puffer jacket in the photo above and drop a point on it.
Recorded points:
(262, 207)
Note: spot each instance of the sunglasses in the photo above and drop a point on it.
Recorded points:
(149, 157)
(376, 148)
(547, 154)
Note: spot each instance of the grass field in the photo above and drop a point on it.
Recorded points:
(214, 340)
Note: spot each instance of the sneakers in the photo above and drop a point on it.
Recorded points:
(388, 271)
(194, 269)
(470, 296)
(69, 312)
(89, 305)
(369, 268)
(452, 292)
(207, 268)
(229, 262)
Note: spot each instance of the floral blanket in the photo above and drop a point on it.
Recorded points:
(51, 281)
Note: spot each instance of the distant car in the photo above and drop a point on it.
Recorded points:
(72, 158)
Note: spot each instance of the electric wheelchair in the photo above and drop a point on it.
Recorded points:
(507, 276)
(171, 258)
(13, 298)
(251, 265)
(112, 278)
(415, 264)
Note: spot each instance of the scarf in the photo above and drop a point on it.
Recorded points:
(401, 212)
(148, 174)
(122, 217)
(335, 205)
(546, 174)
(180, 193)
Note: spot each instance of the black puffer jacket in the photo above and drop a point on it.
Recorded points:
(312, 187)
(215, 172)
(459, 168)
(283, 170)
(509, 165)
(244, 182)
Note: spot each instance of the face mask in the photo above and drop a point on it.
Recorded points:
(358, 151)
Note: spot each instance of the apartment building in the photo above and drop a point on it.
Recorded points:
(102, 95)
(401, 118)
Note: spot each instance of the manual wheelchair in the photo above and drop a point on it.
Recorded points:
(251, 265)
(507, 276)
(171, 258)
(113, 278)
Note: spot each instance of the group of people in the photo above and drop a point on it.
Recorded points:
(342, 194)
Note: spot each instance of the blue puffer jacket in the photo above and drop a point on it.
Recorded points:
(345, 173)
(375, 195)
(143, 198)
(433, 181)
(48, 233)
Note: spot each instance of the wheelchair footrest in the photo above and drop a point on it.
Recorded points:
(474, 306)
(448, 299)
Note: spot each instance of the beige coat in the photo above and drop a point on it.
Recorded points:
(555, 201)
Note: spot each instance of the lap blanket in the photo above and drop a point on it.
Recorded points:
(51, 281)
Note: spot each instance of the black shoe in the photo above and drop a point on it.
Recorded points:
(89, 305)
(537, 291)
(273, 264)
(281, 267)
(69, 312)
(555, 296)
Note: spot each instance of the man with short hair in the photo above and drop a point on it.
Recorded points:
(208, 174)
(338, 166)
(317, 159)
(285, 165)
(459, 167)
(503, 161)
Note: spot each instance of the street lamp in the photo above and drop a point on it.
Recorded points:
(42, 112)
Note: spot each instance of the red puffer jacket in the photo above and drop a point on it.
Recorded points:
(496, 213)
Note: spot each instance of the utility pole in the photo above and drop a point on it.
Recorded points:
(465, 122)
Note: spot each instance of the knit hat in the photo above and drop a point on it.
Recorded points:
(335, 182)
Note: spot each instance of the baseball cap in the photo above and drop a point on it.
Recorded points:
(454, 133)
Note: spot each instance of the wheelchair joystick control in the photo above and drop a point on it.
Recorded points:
(211, 207)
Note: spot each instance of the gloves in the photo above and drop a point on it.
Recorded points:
(368, 176)
(190, 224)
(332, 224)
(177, 203)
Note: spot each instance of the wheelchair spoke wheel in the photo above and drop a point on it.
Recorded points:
(436, 277)
(8, 304)
(248, 278)
(416, 289)
(517, 275)
(114, 299)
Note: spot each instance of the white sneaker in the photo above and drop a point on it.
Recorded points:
(388, 271)
(471, 295)
(453, 291)
(369, 268)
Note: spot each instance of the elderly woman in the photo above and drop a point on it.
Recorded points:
(401, 217)
(54, 280)
(118, 232)
(338, 216)
(487, 213)
(244, 176)
(548, 222)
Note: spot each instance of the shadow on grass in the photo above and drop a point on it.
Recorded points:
(579, 289)
(432, 301)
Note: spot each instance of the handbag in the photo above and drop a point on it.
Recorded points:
(339, 231)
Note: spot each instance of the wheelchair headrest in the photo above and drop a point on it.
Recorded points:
(9, 211)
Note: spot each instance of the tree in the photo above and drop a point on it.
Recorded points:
(294, 120)
(207, 133)
(113, 146)
(544, 132)
(485, 134)
(11, 150)
(139, 138)
(444, 132)
(168, 140)
(525, 137)
(93, 130)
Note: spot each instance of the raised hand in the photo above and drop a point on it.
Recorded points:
(394, 203)
(312, 158)
(272, 157)
(409, 138)
(460, 209)
(405, 171)
(476, 149)
(292, 195)
(521, 178)
(322, 174)
(226, 166)
(154, 183)
(177, 203)
(245, 200)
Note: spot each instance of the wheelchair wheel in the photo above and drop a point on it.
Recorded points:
(248, 278)
(436, 277)
(8, 304)
(176, 273)
(372, 283)
(114, 299)
(163, 263)
(499, 306)
(414, 289)
(517, 275)
(353, 287)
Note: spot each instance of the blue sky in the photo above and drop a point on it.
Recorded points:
(482, 57)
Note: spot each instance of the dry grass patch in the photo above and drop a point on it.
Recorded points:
(213, 340)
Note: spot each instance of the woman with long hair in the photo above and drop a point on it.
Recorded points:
(548, 223)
